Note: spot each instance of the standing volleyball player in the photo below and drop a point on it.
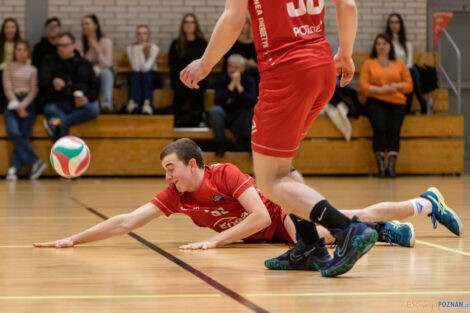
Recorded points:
(298, 74)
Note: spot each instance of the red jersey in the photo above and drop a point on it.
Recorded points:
(215, 203)
(289, 34)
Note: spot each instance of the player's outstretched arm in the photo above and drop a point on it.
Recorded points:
(225, 33)
(116, 225)
(346, 16)
(258, 218)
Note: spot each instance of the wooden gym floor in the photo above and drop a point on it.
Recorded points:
(124, 275)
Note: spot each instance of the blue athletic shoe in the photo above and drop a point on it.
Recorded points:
(301, 257)
(402, 234)
(442, 213)
(351, 244)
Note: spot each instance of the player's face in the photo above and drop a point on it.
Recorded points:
(394, 24)
(246, 31)
(53, 29)
(189, 25)
(233, 67)
(382, 47)
(21, 53)
(88, 27)
(10, 30)
(65, 47)
(142, 35)
(178, 173)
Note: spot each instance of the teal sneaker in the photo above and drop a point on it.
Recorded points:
(442, 213)
(402, 234)
(351, 244)
(302, 257)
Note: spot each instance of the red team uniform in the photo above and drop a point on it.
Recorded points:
(297, 72)
(215, 203)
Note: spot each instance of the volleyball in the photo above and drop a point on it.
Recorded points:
(70, 156)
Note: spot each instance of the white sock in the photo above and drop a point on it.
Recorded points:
(421, 205)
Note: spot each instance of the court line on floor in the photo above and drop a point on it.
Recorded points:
(210, 281)
(210, 295)
(433, 245)
(91, 297)
(359, 293)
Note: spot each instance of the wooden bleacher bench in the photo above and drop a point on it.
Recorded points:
(122, 65)
(131, 145)
(120, 145)
(161, 98)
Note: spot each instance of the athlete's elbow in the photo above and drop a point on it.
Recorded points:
(345, 4)
(265, 220)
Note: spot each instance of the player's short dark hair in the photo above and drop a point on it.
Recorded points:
(185, 149)
(53, 19)
(67, 34)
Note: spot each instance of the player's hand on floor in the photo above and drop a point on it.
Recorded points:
(194, 73)
(205, 244)
(61, 243)
(344, 66)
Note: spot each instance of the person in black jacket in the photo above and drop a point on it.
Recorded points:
(188, 104)
(235, 98)
(47, 45)
(70, 86)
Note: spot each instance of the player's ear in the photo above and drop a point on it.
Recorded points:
(192, 164)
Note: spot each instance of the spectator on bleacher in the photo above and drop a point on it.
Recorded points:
(99, 51)
(189, 46)
(142, 55)
(245, 47)
(20, 85)
(404, 51)
(9, 36)
(235, 98)
(71, 88)
(385, 81)
(47, 45)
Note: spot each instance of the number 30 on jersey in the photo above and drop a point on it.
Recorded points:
(312, 7)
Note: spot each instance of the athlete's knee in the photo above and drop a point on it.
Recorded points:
(265, 185)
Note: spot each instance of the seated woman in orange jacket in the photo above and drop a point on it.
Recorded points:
(385, 81)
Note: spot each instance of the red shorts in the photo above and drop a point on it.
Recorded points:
(274, 233)
(288, 103)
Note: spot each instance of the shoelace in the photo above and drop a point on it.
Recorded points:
(390, 237)
(434, 216)
(433, 220)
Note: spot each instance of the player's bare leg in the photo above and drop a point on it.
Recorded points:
(354, 239)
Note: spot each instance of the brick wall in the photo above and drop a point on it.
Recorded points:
(372, 16)
(15, 9)
(119, 17)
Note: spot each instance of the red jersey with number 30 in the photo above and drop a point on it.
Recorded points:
(289, 34)
(215, 203)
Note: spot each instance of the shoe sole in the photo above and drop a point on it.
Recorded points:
(412, 239)
(441, 199)
(281, 266)
(276, 266)
(367, 245)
